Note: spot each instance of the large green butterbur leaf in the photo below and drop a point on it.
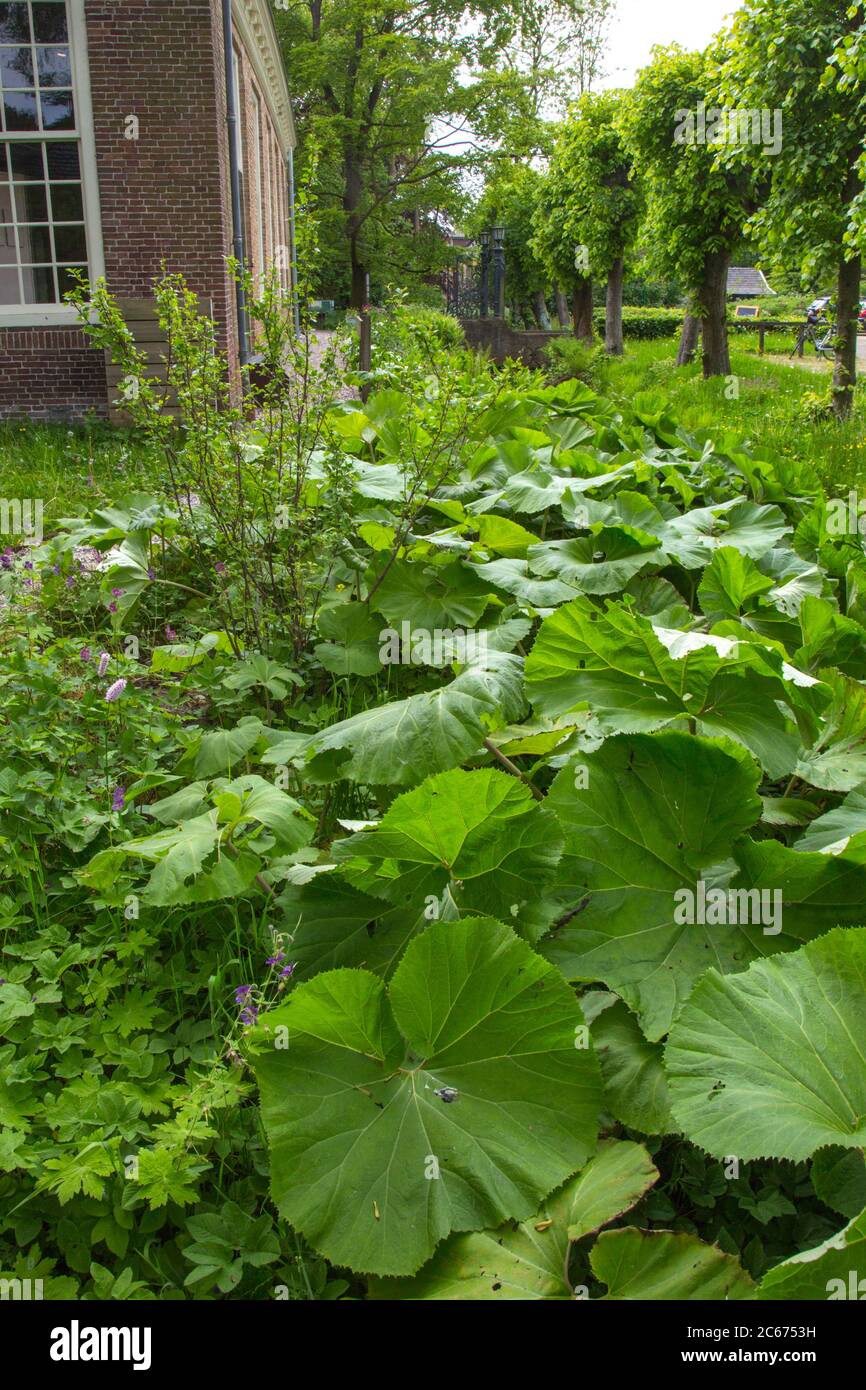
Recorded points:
(399, 744)
(639, 678)
(529, 1261)
(642, 816)
(480, 835)
(452, 1101)
(661, 1265)
(834, 1270)
(772, 1062)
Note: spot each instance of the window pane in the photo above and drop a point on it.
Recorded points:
(9, 287)
(35, 244)
(66, 203)
(70, 243)
(20, 110)
(49, 21)
(57, 111)
(66, 279)
(26, 161)
(14, 25)
(16, 67)
(38, 285)
(63, 160)
(4, 165)
(8, 254)
(31, 202)
(54, 65)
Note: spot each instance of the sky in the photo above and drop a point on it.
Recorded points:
(641, 23)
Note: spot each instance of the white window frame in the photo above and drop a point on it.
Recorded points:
(258, 175)
(64, 315)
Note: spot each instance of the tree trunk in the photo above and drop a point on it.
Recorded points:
(613, 309)
(539, 309)
(847, 307)
(561, 307)
(583, 327)
(689, 339)
(713, 301)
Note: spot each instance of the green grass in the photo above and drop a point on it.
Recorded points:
(771, 408)
(72, 469)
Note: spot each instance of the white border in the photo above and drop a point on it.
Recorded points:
(63, 315)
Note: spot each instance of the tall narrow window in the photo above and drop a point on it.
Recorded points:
(259, 189)
(239, 128)
(43, 232)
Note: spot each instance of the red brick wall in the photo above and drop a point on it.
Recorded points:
(50, 374)
(164, 196)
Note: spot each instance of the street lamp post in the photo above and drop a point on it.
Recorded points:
(498, 238)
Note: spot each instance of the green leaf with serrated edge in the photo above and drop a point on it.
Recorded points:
(731, 583)
(839, 1179)
(602, 563)
(350, 1105)
(832, 832)
(642, 816)
(836, 761)
(833, 1271)
(635, 1085)
(638, 678)
(770, 1063)
(220, 750)
(806, 893)
(529, 1261)
(331, 924)
(399, 744)
(513, 577)
(352, 641)
(480, 835)
(659, 1265)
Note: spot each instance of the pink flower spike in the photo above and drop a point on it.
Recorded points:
(115, 691)
(104, 659)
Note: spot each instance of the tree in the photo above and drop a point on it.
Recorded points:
(368, 78)
(781, 59)
(556, 47)
(593, 167)
(510, 198)
(558, 243)
(697, 207)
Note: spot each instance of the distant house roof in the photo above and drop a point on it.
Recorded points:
(745, 280)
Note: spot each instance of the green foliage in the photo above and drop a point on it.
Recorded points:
(360, 955)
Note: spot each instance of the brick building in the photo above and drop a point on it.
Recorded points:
(120, 133)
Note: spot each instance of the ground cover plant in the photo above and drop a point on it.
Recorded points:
(433, 848)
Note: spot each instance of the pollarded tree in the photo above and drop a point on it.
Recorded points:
(780, 59)
(558, 241)
(593, 164)
(697, 206)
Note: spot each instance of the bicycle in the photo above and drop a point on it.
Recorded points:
(818, 331)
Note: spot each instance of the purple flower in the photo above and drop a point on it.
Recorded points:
(28, 564)
(220, 567)
(55, 569)
(70, 581)
(288, 970)
(104, 659)
(117, 593)
(118, 801)
(84, 654)
(115, 691)
(7, 557)
(170, 634)
(112, 608)
(241, 993)
(250, 1015)
(151, 573)
(276, 959)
